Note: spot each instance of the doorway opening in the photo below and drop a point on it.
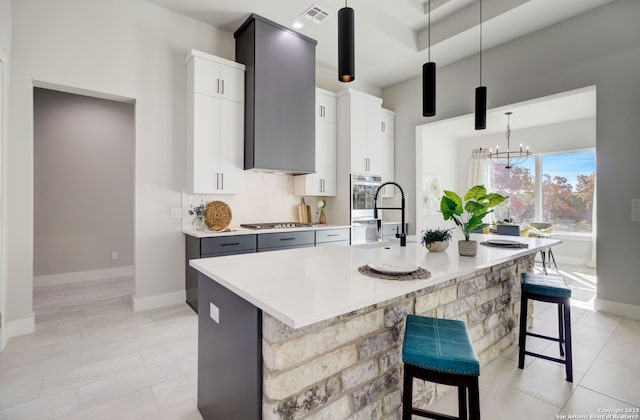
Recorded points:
(83, 205)
(557, 128)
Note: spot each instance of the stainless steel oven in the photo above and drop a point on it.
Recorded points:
(363, 190)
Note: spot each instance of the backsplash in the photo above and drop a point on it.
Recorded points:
(266, 198)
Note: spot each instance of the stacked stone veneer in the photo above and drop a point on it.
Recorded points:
(351, 366)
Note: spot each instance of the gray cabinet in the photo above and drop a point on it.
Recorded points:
(212, 247)
(285, 240)
(279, 96)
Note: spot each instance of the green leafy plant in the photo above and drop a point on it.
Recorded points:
(198, 211)
(430, 236)
(468, 212)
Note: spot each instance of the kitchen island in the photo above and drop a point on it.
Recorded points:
(302, 334)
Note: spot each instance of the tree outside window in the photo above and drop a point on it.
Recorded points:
(567, 185)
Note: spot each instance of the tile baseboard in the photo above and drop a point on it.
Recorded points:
(80, 276)
(618, 308)
(157, 301)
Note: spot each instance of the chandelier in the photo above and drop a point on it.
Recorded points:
(509, 158)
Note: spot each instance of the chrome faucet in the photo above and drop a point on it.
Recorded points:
(402, 235)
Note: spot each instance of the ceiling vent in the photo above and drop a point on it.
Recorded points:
(316, 14)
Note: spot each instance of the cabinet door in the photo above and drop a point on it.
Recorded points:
(206, 168)
(358, 134)
(326, 134)
(206, 79)
(325, 107)
(231, 84)
(231, 152)
(374, 141)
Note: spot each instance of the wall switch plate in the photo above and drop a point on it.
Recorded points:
(176, 213)
(114, 255)
(214, 312)
(635, 209)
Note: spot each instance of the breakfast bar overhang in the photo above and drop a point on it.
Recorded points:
(302, 333)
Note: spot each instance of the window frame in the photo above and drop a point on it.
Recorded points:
(538, 185)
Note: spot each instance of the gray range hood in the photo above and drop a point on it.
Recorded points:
(279, 96)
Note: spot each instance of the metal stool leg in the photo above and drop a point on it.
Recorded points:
(552, 258)
(544, 261)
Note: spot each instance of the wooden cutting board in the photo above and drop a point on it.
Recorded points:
(304, 212)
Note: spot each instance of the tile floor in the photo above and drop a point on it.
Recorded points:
(91, 357)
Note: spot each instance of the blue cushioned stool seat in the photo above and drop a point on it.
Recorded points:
(439, 344)
(550, 289)
(440, 350)
(545, 285)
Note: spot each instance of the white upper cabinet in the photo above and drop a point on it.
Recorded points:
(215, 125)
(387, 139)
(325, 106)
(323, 181)
(216, 76)
(361, 127)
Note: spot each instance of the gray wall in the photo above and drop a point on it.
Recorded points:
(83, 182)
(600, 47)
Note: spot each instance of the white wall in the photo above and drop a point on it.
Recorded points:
(568, 135)
(600, 47)
(128, 48)
(436, 154)
(83, 183)
(5, 52)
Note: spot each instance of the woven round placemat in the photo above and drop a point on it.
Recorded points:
(419, 274)
(217, 215)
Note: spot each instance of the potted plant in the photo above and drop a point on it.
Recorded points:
(468, 212)
(436, 240)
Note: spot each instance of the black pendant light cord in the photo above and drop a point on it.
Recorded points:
(429, 27)
(480, 42)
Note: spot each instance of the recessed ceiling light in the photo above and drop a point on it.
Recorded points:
(297, 25)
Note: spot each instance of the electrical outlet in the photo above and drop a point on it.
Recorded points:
(635, 210)
(114, 255)
(214, 312)
(176, 213)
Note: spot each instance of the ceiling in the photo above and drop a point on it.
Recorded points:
(391, 35)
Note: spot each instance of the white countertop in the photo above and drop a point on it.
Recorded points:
(308, 285)
(237, 230)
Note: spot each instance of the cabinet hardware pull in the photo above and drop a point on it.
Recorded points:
(382, 126)
(231, 244)
(223, 86)
(287, 239)
(222, 178)
(217, 85)
(217, 180)
(333, 234)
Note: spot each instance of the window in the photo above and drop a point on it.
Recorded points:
(519, 183)
(568, 181)
(560, 192)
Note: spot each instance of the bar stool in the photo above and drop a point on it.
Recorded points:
(551, 289)
(439, 350)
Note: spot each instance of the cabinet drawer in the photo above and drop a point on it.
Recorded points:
(228, 244)
(332, 235)
(285, 239)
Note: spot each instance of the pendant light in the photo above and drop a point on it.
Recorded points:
(346, 41)
(481, 91)
(511, 157)
(429, 79)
